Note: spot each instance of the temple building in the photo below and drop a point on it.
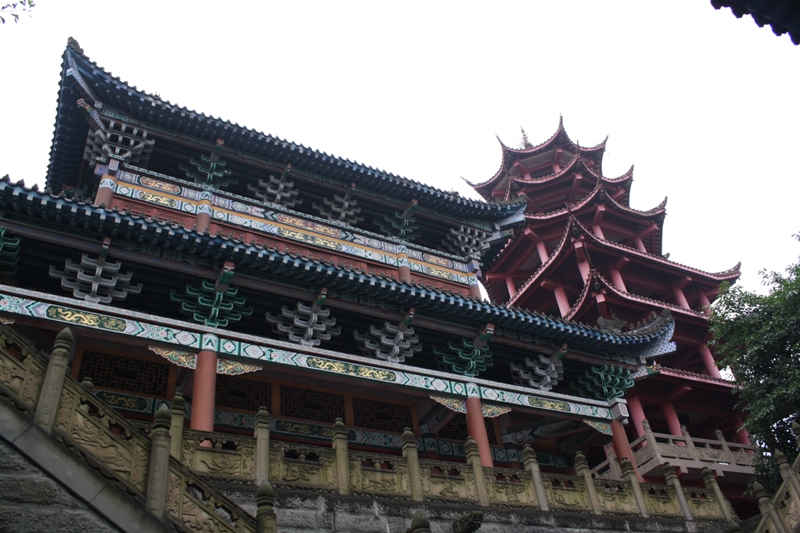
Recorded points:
(193, 310)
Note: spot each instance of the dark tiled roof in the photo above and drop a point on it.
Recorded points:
(783, 16)
(115, 224)
(82, 78)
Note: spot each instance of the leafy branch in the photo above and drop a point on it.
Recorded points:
(14, 10)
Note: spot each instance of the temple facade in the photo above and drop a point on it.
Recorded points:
(198, 310)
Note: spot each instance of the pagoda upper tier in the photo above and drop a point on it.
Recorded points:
(583, 252)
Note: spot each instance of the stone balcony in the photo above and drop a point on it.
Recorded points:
(730, 460)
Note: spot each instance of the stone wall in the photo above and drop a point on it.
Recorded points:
(31, 501)
(326, 512)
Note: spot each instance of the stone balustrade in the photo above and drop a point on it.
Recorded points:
(70, 412)
(84, 421)
(653, 450)
(781, 513)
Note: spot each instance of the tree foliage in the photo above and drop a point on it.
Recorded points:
(758, 338)
(13, 10)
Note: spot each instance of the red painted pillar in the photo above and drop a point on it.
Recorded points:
(637, 414)
(673, 423)
(476, 427)
(561, 298)
(204, 392)
(621, 445)
(742, 435)
(708, 361)
(202, 219)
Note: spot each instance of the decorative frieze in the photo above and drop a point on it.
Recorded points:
(21, 302)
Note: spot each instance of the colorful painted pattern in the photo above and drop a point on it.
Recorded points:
(460, 406)
(68, 311)
(189, 360)
(303, 229)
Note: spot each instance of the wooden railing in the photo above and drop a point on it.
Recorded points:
(83, 420)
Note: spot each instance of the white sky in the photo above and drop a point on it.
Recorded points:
(705, 105)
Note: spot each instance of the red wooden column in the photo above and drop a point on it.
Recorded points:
(637, 414)
(476, 427)
(205, 388)
(741, 435)
(621, 445)
(108, 185)
(708, 361)
(474, 284)
(202, 219)
(673, 423)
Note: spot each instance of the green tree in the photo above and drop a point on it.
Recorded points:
(758, 338)
(14, 9)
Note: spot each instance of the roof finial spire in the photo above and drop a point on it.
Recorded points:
(525, 143)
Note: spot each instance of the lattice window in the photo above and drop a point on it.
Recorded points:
(125, 374)
(456, 429)
(381, 416)
(311, 405)
(236, 392)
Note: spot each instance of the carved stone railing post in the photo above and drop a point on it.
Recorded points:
(342, 461)
(630, 474)
(672, 479)
(689, 442)
(412, 461)
(532, 466)
(158, 470)
(261, 434)
(582, 468)
(176, 426)
(767, 509)
(474, 460)
(728, 454)
(651, 441)
(788, 473)
(711, 483)
(53, 382)
(266, 521)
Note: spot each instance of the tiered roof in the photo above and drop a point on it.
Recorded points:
(83, 79)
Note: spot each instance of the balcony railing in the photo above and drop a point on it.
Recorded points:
(85, 422)
(652, 450)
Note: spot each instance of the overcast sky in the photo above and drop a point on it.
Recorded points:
(703, 104)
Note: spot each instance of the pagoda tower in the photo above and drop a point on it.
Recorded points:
(584, 254)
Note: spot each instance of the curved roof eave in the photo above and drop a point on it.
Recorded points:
(717, 277)
(508, 152)
(595, 276)
(104, 221)
(147, 107)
